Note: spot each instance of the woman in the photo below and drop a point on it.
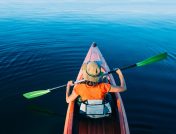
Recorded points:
(93, 88)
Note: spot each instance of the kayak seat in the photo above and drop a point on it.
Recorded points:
(96, 108)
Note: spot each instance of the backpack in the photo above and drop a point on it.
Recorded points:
(95, 108)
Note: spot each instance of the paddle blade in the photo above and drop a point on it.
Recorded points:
(35, 94)
(152, 59)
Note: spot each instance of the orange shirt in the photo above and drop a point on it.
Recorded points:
(92, 92)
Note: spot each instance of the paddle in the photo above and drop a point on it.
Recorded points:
(34, 94)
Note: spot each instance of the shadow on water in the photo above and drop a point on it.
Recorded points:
(45, 111)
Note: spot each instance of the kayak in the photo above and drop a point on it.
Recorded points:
(116, 124)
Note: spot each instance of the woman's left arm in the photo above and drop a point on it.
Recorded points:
(73, 96)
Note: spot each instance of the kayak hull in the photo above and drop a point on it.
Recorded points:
(116, 124)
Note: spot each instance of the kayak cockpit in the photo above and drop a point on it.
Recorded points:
(95, 109)
(90, 124)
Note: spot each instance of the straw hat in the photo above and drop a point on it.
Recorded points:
(91, 71)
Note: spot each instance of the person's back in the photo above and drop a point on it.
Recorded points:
(92, 89)
(96, 92)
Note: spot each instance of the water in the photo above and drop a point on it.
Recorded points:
(43, 44)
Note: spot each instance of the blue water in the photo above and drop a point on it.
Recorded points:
(43, 44)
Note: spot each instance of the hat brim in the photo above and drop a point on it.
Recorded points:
(88, 77)
(93, 79)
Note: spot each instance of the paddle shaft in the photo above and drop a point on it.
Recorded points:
(76, 82)
(123, 68)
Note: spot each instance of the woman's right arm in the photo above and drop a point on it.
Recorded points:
(122, 86)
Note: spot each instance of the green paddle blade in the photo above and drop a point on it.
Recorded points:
(152, 59)
(35, 94)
